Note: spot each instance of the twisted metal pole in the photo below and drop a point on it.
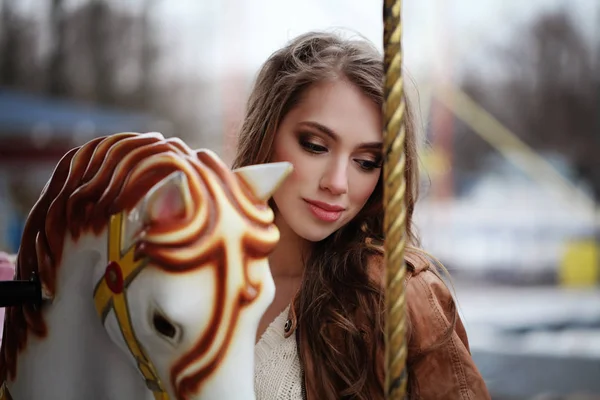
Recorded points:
(394, 201)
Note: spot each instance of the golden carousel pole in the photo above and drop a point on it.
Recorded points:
(394, 201)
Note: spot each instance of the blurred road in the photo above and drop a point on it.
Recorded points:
(534, 342)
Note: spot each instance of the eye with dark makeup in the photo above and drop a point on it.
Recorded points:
(369, 165)
(307, 142)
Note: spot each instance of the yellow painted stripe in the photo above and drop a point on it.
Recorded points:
(4, 393)
(104, 299)
(161, 396)
(120, 307)
(114, 237)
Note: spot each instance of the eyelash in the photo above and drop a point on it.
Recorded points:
(366, 165)
(312, 147)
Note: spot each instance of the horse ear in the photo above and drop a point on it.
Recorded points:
(264, 179)
(168, 200)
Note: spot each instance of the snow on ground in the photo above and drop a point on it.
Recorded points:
(525, 320)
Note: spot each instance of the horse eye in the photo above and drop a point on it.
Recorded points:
(163, 326)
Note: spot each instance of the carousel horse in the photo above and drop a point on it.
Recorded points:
(7, 271)
(151, 263)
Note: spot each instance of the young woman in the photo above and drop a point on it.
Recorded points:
(317, 104)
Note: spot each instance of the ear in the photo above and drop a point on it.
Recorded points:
(264, 179)
(168, 200)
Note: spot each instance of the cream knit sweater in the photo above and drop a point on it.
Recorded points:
(277, 370)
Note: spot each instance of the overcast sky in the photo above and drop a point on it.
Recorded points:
(204, 36)
(253, 29)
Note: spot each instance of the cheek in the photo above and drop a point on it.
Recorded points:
(305, 167)
(362, 187)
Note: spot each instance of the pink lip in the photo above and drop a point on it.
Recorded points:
(324, 211)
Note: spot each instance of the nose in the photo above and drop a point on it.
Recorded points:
(335, 178)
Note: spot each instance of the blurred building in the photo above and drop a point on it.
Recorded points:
(35, 132)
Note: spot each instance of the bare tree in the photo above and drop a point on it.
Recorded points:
(103, 55)
(148, 56)
(57, 83)
(103, 62)
(102, 52)
(552, 95)
(10, 49)
(19, 64)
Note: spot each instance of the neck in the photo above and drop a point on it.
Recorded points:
(287, 260)
(89, 364)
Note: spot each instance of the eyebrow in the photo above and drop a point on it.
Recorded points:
(329, 132)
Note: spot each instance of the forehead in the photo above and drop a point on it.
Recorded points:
(342, 107)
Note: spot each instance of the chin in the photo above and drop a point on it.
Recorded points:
(313, 232)
(312, 237)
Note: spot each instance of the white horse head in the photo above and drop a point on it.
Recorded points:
(153, 262)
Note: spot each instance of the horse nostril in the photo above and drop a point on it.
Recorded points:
(163, 326)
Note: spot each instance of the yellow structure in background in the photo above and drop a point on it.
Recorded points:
(434, 162)
(580, 265)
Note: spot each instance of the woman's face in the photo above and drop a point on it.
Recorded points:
(333, 137)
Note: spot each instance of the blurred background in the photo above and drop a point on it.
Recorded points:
(507, 96)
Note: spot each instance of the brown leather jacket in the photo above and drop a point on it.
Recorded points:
(447, 372)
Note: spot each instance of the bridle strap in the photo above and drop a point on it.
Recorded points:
(4, 393)
(110, 294)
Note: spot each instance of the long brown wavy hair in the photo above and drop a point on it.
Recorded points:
(335, 282)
